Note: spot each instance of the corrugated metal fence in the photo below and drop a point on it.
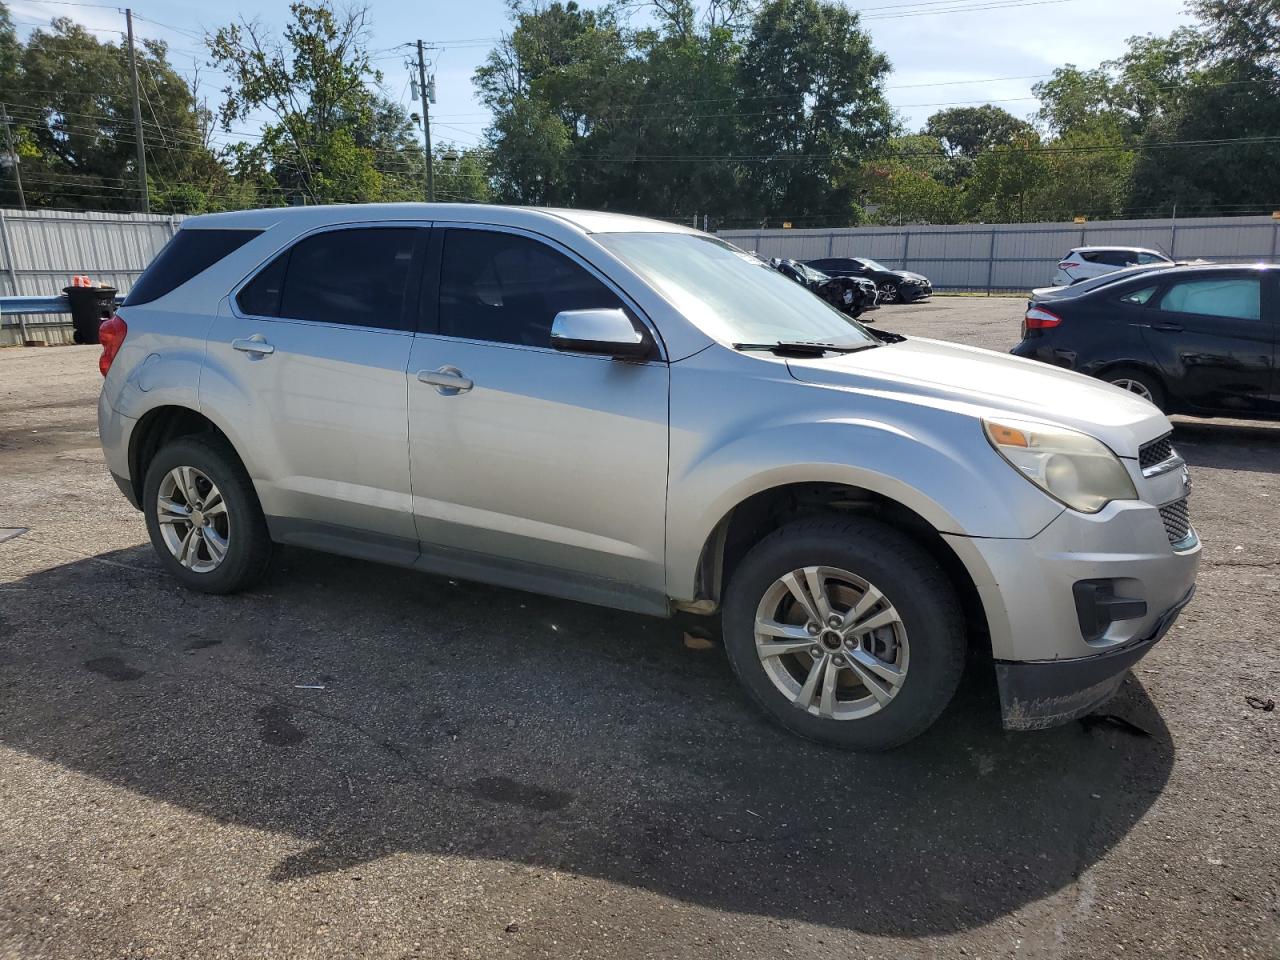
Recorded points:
(40, 250)
(1013, 257)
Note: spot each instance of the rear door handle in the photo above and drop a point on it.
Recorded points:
(448, 381)
(256, 345)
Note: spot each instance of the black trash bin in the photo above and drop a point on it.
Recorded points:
(89, 307)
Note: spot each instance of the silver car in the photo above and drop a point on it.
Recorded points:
(625, 412)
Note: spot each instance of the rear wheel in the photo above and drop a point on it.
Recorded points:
(1137, 381)
(203, 516)
(845, 632)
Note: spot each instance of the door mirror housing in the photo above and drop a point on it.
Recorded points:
(603, 331)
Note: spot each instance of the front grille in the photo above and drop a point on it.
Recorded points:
(1177, 520)
(1157, 451)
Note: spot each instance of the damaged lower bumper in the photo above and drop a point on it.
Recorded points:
(1037, 694)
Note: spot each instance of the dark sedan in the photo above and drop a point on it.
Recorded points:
(1198, 340)
(896, 286)
(849, 295)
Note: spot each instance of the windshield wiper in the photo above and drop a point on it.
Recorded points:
(805, 348)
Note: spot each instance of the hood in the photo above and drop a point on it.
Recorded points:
(990, 383)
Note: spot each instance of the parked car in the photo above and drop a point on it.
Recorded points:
(630, 413)
(850, 295)
(1081, 263)
(1044, 294)
(896, 286)
(1196, 340)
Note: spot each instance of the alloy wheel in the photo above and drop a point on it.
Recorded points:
(831, 642)
(1134, 386)
(888, 292)
(193, 518)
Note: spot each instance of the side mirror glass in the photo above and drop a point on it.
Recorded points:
(603, 331)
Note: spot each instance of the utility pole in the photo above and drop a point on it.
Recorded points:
(13, 156)
(137, 116)
(426, 123)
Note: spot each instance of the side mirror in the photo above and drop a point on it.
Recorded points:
(606, 331)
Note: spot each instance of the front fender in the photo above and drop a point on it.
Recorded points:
(733, 437)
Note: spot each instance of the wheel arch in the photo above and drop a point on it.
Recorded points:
(158, 427)
(755, 517)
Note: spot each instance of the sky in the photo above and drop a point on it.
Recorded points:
(941, 56)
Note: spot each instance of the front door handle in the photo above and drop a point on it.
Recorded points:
(448, 381)
(256, 346)
(1168, 325)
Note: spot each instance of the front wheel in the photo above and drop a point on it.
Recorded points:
(845, 632)
(203, 516)
(888, 292)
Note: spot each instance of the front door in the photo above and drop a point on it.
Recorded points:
(310, 357)
(1214, 336)
(550, 466)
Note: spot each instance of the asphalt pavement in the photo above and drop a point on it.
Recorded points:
(359, 761)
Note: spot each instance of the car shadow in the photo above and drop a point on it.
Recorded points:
(1228, 444)
(368, 711)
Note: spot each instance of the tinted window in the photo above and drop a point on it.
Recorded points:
(260, 297)
(1138, 296)
(357, 276)
(188, 253)
(508, 289)
(1110, 258)
(1236, 297)
(1151, 258)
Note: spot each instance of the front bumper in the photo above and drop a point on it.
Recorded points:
(1037, 694)
(911, 292)
(1029, 594)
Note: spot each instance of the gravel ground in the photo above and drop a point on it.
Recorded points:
(486, 773)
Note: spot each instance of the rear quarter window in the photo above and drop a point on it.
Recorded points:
(189, 252)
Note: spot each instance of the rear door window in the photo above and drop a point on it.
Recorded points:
(359, 276)
(1235, 297)
(506, 288)
(190, 252)
(1139, 297)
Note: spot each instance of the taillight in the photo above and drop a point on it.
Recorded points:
(1038, 318)
(1068, 265)
(111, 334)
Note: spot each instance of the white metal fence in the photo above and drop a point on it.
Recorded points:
(1013, 257)
(41, 250)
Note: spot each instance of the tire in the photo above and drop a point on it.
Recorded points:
(239, 525)
(1139, 382)
(912, 586)
(889, 293)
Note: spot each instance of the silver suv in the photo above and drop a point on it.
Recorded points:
(634, 414)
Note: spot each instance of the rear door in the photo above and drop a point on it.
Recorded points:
(549, 465)
(1214, 336)
(309, 357)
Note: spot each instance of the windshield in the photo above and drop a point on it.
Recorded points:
(731, 295)
(817, 276)
(873, 265)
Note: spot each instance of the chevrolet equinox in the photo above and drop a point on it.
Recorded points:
(629, 413)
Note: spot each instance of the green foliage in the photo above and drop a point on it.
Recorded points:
(758, 116)
(967, 131)
(462, 176)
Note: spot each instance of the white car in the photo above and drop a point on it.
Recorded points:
(1081, 263)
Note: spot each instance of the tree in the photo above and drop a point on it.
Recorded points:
(462, 176)
(967, 131)
(1005, 180)
(75, 111)
(816, 80)
(330, 138)
(749, 115)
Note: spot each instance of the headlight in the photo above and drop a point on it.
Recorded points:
(1070, 466)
